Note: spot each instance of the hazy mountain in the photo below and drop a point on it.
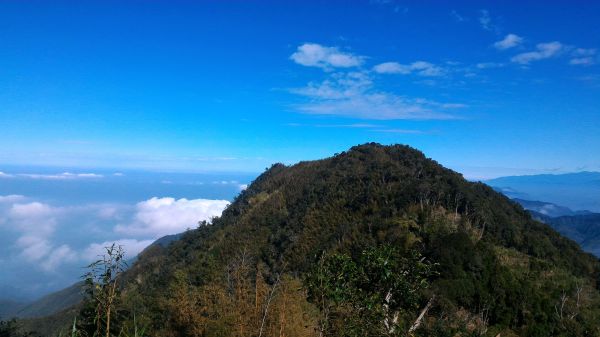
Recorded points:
(548, 209)
(11, 301)
(53, 303)
(8, 308)
(577, 191)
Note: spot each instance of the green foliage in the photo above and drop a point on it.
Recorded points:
(12, 328)
(100, 315)
(371, 295)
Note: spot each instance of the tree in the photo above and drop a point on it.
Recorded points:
(375, 294)
(100, 314)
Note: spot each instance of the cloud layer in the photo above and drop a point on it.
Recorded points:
(60, 176)
(132, 247)
(162, 216)
(35, 225)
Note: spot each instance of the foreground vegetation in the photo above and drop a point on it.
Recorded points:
(376, 241)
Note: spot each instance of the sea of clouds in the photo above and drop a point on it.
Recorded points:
(47, 238)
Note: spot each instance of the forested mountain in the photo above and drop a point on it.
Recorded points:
(375, 241)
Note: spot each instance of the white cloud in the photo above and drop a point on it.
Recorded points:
(351, 126)
(162, 216)
(41, 251)
(226, 182)
(457, 16)
(376, 106)
(11, 198)
(488, 65)
(337, 86)
(132, 247)
(400, 131)
(84, 175)
(30, 210)
(353, 95)
(392, 68)
(450, 105)
(543, 51)
(584, 52)
(108, 212)
(316, 55)
(36, 222)
(5, 175)
(583, 57)
(61, 176)
(582, 61)
(421, 68)
(60, 255)
(34, 248)
(36, 218)
(509, 41)
(485, 20)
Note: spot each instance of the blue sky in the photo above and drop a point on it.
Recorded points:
(486, 88)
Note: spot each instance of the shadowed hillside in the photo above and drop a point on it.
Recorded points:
(583, 228)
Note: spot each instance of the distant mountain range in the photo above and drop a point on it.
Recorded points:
(571, 203)
(549, 209)
(577, 191)
(580, 226)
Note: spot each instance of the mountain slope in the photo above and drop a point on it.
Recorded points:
(8, 308)
(498, 270)
(53, 302)
(582, 228)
